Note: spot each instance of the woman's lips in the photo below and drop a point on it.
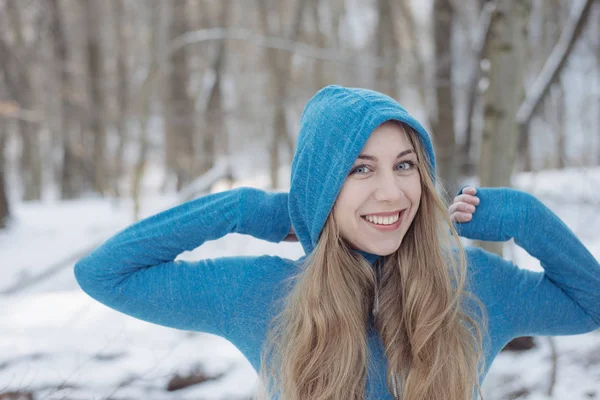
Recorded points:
(385, 214)
(387, 228)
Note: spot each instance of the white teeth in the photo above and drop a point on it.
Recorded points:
(382, 220)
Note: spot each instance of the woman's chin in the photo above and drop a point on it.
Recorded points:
(381, 250)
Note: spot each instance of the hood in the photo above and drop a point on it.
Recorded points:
(334, 127)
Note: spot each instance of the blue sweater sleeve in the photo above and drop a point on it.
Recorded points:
(564, 299)
(134, 271)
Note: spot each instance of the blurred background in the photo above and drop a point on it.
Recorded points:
(113, 110)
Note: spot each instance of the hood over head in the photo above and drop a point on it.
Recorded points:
(335, 125)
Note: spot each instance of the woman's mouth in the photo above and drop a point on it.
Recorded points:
(385, 224)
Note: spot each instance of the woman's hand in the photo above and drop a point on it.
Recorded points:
(291, 237)
(463, 207)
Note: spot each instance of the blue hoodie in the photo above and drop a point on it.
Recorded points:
(235, 297)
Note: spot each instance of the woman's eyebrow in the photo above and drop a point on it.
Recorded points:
(373, 158)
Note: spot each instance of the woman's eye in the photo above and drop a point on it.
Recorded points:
(357, 169)
(408, 166)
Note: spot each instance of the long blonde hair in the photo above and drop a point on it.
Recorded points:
(317, 346)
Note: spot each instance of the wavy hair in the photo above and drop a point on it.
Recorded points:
(317, 345)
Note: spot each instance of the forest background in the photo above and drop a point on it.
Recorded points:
(120, 108)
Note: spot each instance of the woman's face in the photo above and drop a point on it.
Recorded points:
(383, 179)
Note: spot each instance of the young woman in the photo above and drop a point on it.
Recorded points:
(385, 303)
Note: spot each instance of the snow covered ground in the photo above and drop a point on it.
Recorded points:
(58, 343)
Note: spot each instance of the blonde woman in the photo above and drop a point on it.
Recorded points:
(386, 303)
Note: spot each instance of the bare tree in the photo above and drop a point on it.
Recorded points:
(4, 205)
(556, 111)
(215, 129)
(320, 39)
(507, 48)
(96, 101)
(180, 124)
(413, 61)
(554, 64)
(19, 84)
(443, 127)
(122, 118)
(387, 47)
(479, 46)
(146, 107)
(70, 167)
(280, 65)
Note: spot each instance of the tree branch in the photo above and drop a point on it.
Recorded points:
(247, 35)
(555, 62)
(485, 21)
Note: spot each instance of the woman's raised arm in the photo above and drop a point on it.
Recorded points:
(563, 299)
(134, 271)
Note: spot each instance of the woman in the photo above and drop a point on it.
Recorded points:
(378, 308)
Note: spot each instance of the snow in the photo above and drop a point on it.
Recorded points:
(58, 343)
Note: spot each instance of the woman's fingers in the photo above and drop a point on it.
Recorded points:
(461, 217)
(464, 205)
(467, 198)
(461, 206)
(470, 190)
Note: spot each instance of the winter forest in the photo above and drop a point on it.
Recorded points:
(111, 111)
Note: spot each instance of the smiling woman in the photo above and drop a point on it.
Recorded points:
(375, 193)
(377, 308)
(382, 289)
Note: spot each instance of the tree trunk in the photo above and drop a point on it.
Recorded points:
(20, 88)
(337, 9)
(30, 160)
(69, 168)
(414, 62)
(443, 129)
(280, 68)
(145, 110)
(507, 47)
(545, 23)
(320, 76)
(467, 167)
(387, 48)
(122, 40)
(4, 206)
(96, 105)
(215, 121)
(180, 126)
(557, 101)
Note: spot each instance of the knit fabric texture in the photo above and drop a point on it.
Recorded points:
(136, 271)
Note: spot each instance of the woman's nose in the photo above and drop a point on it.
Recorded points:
(388, 188)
